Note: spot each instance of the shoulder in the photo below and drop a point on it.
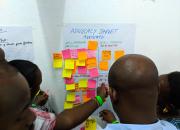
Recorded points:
(167, 125)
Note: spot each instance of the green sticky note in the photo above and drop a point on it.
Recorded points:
(83, 83)
(71, 97)
(69, 64)
(66, 73)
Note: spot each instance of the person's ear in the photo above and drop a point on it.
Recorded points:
(113, 95)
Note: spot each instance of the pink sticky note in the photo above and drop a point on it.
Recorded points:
(78, 99)
(91, 54)
(82, 70)
(91, 93)
(66, 54)
(81, 49)
(91, 83)
(74, 53)
(69, 80)
(93, 72)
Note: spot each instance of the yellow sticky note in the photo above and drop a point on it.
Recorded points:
(82, 55)
(69, 64)
(106, 55)
(71, 97)
(103, 65)
(68, 105)
(118, 54)
(83, 83)
(80, 63)
(92, 45)
(66, 73)
(70, 87)
(57, 63)
(90, 124)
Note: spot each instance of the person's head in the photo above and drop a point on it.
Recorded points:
(14, 100)
(2, 55)
(169, 92)
(133, 82)
(31, 72)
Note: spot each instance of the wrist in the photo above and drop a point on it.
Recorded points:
(115, 122)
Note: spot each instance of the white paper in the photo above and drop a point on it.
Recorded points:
(17, 42)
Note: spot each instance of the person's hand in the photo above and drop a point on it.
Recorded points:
(41, 99)
(102, 91)
(107, 116)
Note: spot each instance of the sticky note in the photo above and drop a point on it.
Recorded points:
(66, 54)
(57, 63)
(69, 64)
(75, 68)
(82, 55)
(91, 53)
(118, 54)
(85, 98)
(57, 56)
(106, 55)
(82, 70)
(93, 72)
(68, 105)
(91, 93)
(81, 49)
(91, 83)
(91, 61)
(80, 63)
(77, 100)
(103, 65)
(90, 124)
(92, 45)
(69, 80)
(83, 83)
(70, 97)
(70, 87)
(74, 53)
(66, 73)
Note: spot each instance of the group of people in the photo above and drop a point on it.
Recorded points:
(141, 99)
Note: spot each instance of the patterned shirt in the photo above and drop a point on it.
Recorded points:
(175, 121)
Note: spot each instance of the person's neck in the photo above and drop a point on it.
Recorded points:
(137, 116)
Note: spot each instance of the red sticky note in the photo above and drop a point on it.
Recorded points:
(91, 93)
(69, 80)
(91, 54)
(91, 83)
(93, 72)
(66, 54)
(74, 53)
(82, 70)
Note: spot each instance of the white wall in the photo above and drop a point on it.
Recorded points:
(157, 29)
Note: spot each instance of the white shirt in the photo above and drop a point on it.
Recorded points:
(160, 125)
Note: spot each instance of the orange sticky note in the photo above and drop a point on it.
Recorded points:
(85, 98)
(75, 68)
(92, 45)
(106, 55)
(103, 65)
(91, 61)
(82, 55)
(57, 56)
(70, 87)
(118, 54)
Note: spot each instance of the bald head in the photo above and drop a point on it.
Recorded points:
(133, 72)
(2, 55)
(14, 91)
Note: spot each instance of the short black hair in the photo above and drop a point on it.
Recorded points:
(174, 83)
(27, 69)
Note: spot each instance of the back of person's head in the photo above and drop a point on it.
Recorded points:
(15, 98)
(133, 82)
(174, 84)
(2, 55)
(27, 69)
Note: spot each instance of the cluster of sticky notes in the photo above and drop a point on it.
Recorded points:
(57, 60)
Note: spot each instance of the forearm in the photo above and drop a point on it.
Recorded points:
(70, 118)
